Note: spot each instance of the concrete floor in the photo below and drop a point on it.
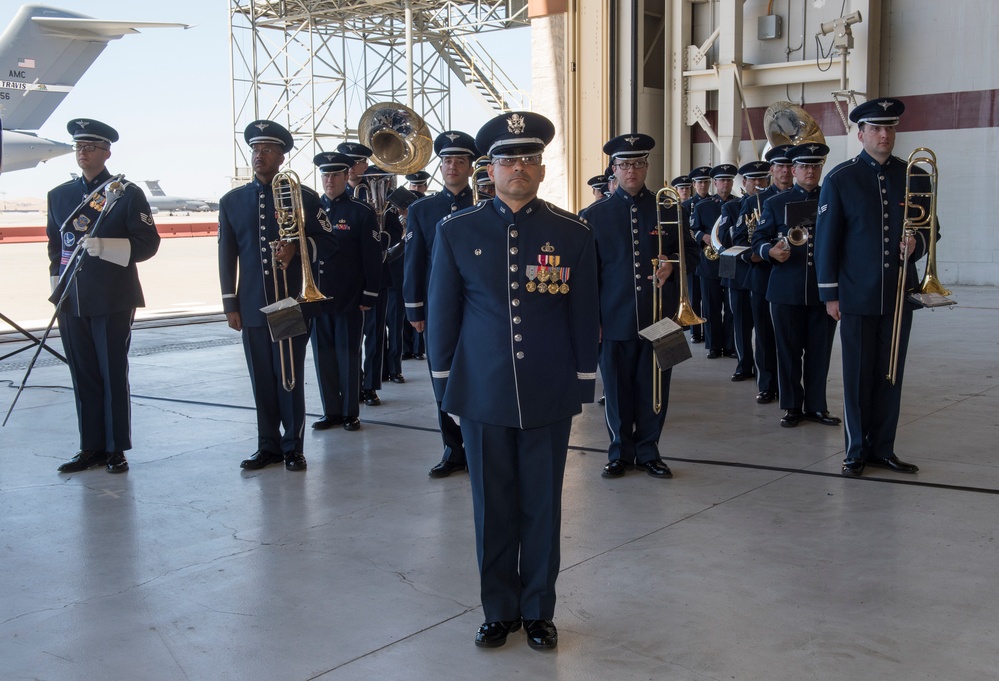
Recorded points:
(757, 561)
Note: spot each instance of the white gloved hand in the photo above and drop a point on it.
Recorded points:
(94, 246)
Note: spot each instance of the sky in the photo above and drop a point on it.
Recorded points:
(167, 91)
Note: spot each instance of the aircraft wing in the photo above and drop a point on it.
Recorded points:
(43, 53)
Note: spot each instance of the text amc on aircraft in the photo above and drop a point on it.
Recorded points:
(43, 53)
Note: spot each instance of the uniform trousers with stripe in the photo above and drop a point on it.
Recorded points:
(626, 368)
(804, 336)
(277, 408)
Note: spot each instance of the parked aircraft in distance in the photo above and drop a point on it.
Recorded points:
(158, 200)
(43, 53)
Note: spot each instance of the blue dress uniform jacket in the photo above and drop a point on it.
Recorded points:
(421, 228)
(96, 316)
(504, 352)
(245, 267)
(101, 287)
(794, 281)
(352, 276)
(859, 231)
(702, 220)
(730, 222)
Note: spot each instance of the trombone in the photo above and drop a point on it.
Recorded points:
(668, 199)
(287, 190)
(917, 216)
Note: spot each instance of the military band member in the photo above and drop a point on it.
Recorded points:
(718, 336)
(484, 186)
(95, 319)
(861, 210)
(360, 155)
(393, 238)
(247, 267)
(513, 345)
(611, 180)
(598, 186)
(684, 187)
(418, 182)
(626, 226)
(755, 176)
(412, 340)
(802, 329)
(457, 152)
(700, 184)
(351, 278)
(765, 351)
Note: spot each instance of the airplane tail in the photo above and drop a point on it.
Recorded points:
(154, 187)
(43, 53)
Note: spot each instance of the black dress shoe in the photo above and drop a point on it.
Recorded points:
(445, 468)
(117, 463)
(765, 397)
(493, 634)
(740, 376)
(822, 417)
(83, 460)
(261, 458)
(713, 354)
(419, 355)
(603, 400)
(407, 355)
(295, 461)
(697, 339)
(396, 378)
(792, 417)
(657, 468)
(352, 424)
(370, 398)
(729, 353)
(616, 468)
(852, 468)
(541, 634)
(894, 464)
(327, 422)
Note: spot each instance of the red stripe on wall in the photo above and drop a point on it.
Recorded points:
(941, 111)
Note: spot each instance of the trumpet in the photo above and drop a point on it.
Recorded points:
(797, 236)
(287, 190)
(667, 199)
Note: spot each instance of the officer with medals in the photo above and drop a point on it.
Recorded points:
(765, 353)
(626, 228)
(351, 279)
(95, 319)
(700, 184)
(755, 175)
(802, 329)
(251, 255)
(718, 336)
(513, 336)
(857, 252)
(457, 152)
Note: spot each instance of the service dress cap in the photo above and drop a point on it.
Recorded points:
(598, 182)
(700, 173)
(89, 130)
(808, 153)
(481, 177)
(881, 111)
(681, 181)
(778, 154)
(419, 177)
(635, 145)
(455, 143)
(724, 171)
(515, 133)
(355, 150)
(269, 132)
(755, 170)
(332, 162)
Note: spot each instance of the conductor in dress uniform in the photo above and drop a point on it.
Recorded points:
(95, 318)
(513, 345)
(351, 279)
(718, 336)
(248, 265)
(803, 332)
(861, 211)
(626, 228)
(457, 152)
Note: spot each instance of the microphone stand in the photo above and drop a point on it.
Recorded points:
(115, 190)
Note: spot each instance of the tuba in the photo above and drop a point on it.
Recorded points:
(787, 123)
(400, 144)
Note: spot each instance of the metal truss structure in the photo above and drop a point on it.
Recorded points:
(315, 65)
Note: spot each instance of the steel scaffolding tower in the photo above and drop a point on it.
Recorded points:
(316, 65)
